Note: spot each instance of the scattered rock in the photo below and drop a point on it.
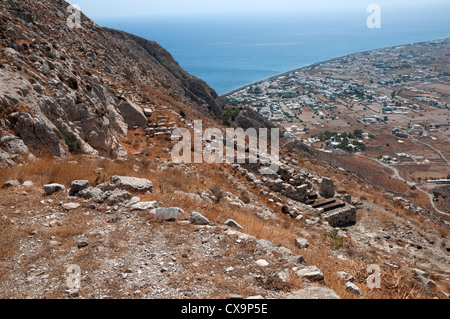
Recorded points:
(72, 293)
(426, 281)
(419, 272)
(262, 263)
(144, 205)
(346, 276)
(118, 196)
(11, 183)
(301, 243)
(77, 186)
(28, 184)
(94, 193)
(53, 188)
(148, 112)
(311, 273)
(5, 159)
(232, 223)
(167, 214)
(71, 206)
(83, 244)
(132, 184)
(198, 219)
(352, 288)
(229, 269)
(106, 187)
(314, 292)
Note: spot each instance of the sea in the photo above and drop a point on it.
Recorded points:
(230, 50)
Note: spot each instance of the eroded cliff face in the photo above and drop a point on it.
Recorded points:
(66, 90)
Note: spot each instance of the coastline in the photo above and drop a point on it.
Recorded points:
(321, 62)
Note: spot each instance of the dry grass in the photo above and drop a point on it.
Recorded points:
(172, 186)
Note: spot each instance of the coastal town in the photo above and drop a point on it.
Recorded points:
(390, 105)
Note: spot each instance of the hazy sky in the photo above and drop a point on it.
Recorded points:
(118, 8)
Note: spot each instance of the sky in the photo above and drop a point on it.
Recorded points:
(130, 8)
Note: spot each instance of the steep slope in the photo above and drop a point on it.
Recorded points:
(65, 90)
(105, 92)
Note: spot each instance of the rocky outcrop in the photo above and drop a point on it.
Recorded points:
(14, 145)
(60, 90)
(132, 114)
(5, 159)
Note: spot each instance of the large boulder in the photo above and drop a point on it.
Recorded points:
(116, 120)
(132, 184)
(132, 114)
(39, 130)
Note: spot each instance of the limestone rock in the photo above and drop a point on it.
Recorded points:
(419, 272)
(262, 263)
(311, 273)
(117, 121)
(53, 188)
(71, 206)
(352, 288)
(132, 184)
(301, 243)
(198, 219)
(426, 281)
(346, 276)
(14, 145)
(314, 292)
(93, 193)
(144, 205)
(167, 214)
(78, 185)
(232, 223)
(5, 159)
(118, 196)
(12, 183)
(132, 114)
(28, 184)
(105, 187)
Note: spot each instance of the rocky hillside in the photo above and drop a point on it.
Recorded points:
(88, 115)
(68, 89)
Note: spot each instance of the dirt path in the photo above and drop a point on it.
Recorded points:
(396, 175)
